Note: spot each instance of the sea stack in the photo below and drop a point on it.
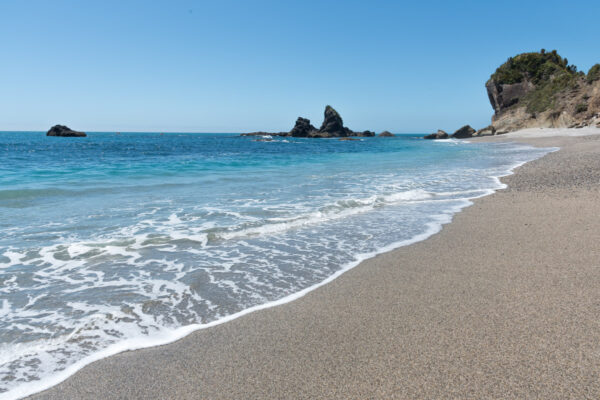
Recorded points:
(333, 125)
(64, 131)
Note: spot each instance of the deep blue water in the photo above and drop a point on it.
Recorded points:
(115, 238)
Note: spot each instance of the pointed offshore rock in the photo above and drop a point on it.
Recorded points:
(464, 132)
(333, 125)
(64, 131)
(303, 128)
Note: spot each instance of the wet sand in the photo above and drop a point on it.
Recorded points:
(503, 303)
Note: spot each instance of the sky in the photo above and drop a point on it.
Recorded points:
(241, 66)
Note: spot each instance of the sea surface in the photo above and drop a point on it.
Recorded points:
(122, 241)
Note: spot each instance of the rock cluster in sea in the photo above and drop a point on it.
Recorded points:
(64, 131)
(332, 127)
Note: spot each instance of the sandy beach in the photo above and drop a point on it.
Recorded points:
(502, 303)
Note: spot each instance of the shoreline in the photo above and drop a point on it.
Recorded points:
(167, 338)
(62, 390)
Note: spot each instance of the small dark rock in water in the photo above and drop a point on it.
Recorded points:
(361, 134)
(302, 128)
(386, 134)
(348, 138)
(439, 135)
(464, 132)
(63, 131)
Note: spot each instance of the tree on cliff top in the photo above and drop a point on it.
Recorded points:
(549, 73)
(534, 67)
(594, 73)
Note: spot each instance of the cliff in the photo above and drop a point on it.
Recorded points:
(543, 90)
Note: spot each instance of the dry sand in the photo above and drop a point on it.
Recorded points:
(503, 303)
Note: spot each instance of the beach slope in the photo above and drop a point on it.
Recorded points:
(502, 303)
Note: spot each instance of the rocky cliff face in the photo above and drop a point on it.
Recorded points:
(543, 90)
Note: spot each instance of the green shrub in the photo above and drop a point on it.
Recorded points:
(535, 67)
(594, 73)
(581, 107)
(544, 95)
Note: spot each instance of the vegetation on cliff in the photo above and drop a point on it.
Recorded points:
(593, 74)
(534, 67)
(548, 72)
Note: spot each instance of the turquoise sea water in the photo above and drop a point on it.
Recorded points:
(118, 241)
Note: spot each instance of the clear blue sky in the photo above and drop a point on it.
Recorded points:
(234, 66)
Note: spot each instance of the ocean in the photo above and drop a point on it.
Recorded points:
(123, 241)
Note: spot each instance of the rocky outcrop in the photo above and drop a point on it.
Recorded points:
(64, 131)
(541, 89)
(440, 134)
(386, 134)
(332, 126)
(464, 132)
(487, 131)
(303, 128)
(504, 96)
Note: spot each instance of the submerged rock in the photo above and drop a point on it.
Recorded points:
(464, 132)
(260, 133)
(361, 134)
(440, 134)
(64, 131)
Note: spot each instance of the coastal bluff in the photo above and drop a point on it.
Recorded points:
(542, 90)
(538, 90)
(64, 131)
(332, 127)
